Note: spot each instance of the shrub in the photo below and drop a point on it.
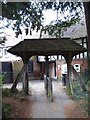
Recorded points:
(6, 109)
(6, 92)
(1, 79)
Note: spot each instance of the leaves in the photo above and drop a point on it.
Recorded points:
(30, 14)
(56, 28)
(6, 109)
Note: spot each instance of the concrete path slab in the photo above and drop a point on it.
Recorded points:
(42, 107)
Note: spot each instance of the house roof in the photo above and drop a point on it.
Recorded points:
(46, 46)
(77, 30)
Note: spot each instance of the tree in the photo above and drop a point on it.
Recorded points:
(22, 15)
(87, 16)
(30, 14)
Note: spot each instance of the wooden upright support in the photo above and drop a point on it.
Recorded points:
(41, 74)
(48, 81)
(69, 83)
(47, 73)
(13, 88)
(25, 79)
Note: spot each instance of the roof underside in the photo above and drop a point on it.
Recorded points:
(46, 46)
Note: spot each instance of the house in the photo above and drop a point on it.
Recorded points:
(7, 60)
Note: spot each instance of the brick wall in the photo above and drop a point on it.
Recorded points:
(82, 62)
(83, 65)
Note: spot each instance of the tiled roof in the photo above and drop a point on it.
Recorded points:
(78, 30)
(46, 46)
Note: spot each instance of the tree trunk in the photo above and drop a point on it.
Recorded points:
(87, 16)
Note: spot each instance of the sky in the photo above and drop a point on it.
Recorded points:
(49, 15)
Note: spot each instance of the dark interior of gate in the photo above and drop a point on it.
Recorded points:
(45, 47)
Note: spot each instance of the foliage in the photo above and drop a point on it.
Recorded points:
(30, 15)
(81, 97)
(68, 90)
(16, 94)
(23, 14)
(67, 14)
(6, 109)
(1, 79)
(6, 92)
(56, 28)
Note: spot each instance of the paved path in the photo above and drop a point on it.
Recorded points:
(42, 107)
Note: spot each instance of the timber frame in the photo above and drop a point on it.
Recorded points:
(45, 47)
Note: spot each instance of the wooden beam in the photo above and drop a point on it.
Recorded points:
(13, 88)
(46, 73)
(69, 82)
(41, 74)
(25, 79)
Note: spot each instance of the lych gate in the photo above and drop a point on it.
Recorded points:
(45, 47)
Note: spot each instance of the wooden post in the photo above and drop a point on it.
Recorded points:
(13, 88)
(55, 68)
(41, 71)
(26, 83)
(50, 89)
(25, 79)
(69, 83)
(47, 73)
